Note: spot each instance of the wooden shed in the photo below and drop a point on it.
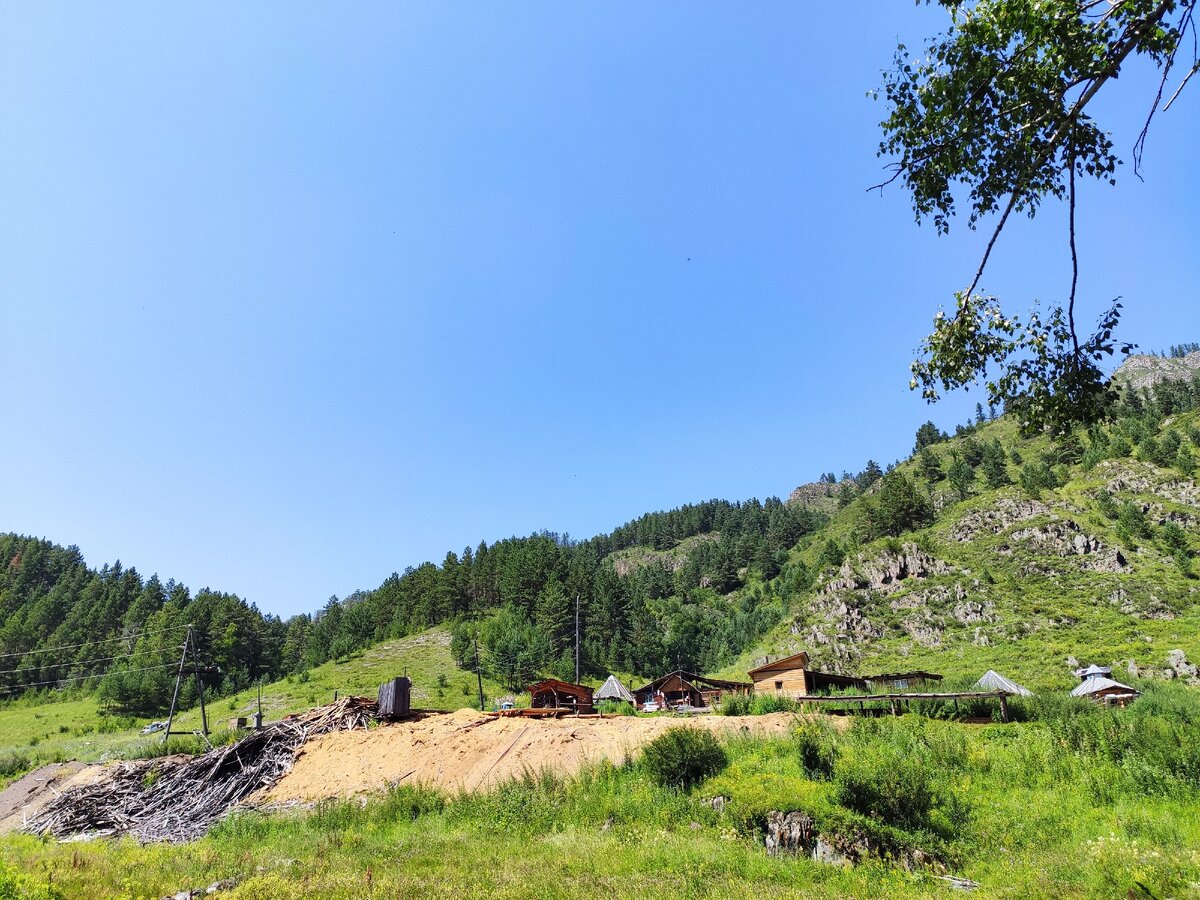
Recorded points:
(555, 694)
(687, 689)
(791, 677)
(786, 676)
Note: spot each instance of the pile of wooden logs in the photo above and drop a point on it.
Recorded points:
(178, 800)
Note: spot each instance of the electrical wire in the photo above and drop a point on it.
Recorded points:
(22, 687)
(119, 637)
(86, 662)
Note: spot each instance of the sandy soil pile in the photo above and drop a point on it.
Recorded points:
(464, 750)
(26, 796)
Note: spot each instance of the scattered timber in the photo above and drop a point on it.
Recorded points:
(178, 799)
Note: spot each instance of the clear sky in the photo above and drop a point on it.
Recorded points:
(294, 296)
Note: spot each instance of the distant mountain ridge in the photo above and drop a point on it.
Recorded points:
(1146, 370)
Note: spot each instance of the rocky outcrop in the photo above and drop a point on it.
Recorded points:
(1000, 516)
(1127, 478)
(796, 833)
(818, 495)
(886, 571)
(1144, 370)
(1064, 538)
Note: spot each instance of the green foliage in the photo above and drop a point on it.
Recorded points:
(962, 477)
(930, 466)
(1185, 461)
(16, 886)
(817, 748)
(683, 757)
(1037, 477)
(927, 435)
(899, 507)
(1131, 519)
(994, 466)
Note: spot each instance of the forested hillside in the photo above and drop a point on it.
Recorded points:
(998, 546)
(70, 628)
(1025, 553)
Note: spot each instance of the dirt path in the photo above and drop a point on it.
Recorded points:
(464, 750)
(25, 796)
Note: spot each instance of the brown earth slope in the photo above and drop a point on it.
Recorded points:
(465, 750)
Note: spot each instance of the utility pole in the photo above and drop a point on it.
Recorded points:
(189, 645)
(478, 673)
(577, 639)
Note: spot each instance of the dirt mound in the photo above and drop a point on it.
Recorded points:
(465, 750)
(26, 797)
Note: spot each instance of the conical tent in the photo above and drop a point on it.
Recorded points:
(994, 681)
(614, 690)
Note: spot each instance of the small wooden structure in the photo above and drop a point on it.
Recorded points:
(680, 689)
(555, 694)
(395, 697)
(791, 677)
(901, 681)
(1103, 689)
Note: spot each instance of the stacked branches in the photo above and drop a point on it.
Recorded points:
(179, 800)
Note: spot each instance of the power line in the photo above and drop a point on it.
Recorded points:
(119, 637)
(22, 687)
(87, 662)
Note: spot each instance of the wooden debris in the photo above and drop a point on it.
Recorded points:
(179, 800)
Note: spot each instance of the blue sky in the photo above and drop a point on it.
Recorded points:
(294, 298)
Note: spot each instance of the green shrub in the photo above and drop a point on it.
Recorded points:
(815, 743)
(762, 704)
(888, 786)
(14, 762)
(736, 705)
(683, 757)
(15, 886)
(616, 708)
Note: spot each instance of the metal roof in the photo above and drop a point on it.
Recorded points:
(612, 689)
(1097, 683)
(994, 681)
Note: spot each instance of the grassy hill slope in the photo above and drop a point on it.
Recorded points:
(75, 729)
(1018, 580)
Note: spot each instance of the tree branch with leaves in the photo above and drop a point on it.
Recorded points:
(998, 107)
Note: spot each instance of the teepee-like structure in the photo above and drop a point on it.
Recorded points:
(613, 690)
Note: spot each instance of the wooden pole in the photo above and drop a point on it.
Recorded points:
(577, 638)
(1003, 708)
(478, 674)
(178, 679)
(199, 691)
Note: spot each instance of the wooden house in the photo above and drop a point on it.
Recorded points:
(555, 694)
(792, 677)
(687, 690)
(1103, 689)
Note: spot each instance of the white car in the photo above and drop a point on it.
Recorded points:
(650, 706)
(153, 727)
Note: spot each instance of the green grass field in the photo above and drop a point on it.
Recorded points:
(1076, 802)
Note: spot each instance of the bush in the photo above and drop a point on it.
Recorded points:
(683, 757)
(815, 742)
(891, 787)
(736, 705)
(615, 708)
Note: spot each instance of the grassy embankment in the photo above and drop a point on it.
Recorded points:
(1076, 802)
